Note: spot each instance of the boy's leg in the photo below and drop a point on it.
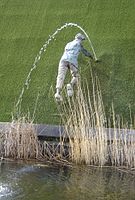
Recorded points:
(75, 75)
(74, 80)
(62, 70)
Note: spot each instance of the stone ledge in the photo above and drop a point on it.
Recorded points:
(55, 131)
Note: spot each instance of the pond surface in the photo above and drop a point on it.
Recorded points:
(31, 182)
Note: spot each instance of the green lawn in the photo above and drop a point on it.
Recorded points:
(24, 28)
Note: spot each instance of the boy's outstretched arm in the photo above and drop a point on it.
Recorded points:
(86, 53)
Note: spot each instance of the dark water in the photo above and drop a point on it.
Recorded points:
(32, 182)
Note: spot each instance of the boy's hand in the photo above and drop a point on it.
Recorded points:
(97, 61)
(91, 57)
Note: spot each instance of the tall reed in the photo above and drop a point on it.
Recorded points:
(20, 141)
(85, 123)
(121, 148)
(91, 141)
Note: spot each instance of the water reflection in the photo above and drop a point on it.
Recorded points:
(5, 190)
(19, 181)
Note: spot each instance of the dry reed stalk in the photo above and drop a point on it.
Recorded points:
(122, 146)
(54, 151)
(89, 139)
(21, 141)
(1, 145)
(90, 142)
(86, 126)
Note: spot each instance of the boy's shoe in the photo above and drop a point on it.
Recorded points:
(69, 90)
(58, 97)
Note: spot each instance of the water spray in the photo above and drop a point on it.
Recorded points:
(43, 49)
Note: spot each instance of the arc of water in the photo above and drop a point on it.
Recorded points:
(91, 45)
(43, 49)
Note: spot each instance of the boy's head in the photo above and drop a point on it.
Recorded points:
(80, 36)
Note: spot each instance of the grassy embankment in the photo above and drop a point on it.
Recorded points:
(26, 25)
